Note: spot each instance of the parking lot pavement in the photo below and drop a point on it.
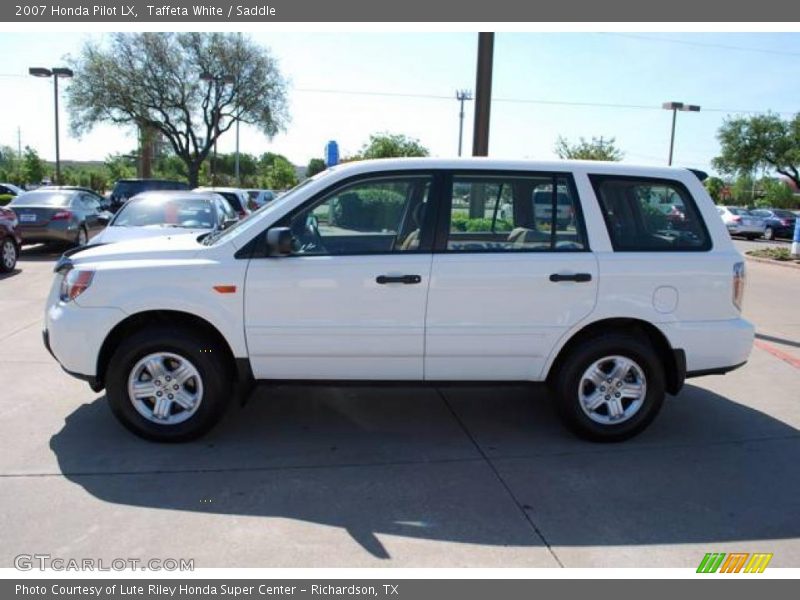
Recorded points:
(399, 476)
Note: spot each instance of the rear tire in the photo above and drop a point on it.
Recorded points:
(167, 361)
(8, 255)
(769, 234)
(596, 388)
(82, 238)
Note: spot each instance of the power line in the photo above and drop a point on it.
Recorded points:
(528, 101)
(651, 38)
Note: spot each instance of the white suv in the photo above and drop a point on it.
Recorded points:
(404, 270)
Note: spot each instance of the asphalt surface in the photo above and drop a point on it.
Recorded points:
(402, 476)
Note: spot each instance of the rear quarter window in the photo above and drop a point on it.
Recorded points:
(650, 215)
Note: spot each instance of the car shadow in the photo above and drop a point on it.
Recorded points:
(10, 274)
(425, 463)
(40, 253)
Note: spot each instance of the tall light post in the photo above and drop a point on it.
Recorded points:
(55, 73)
(462, 96)
(221, 80)
(675, 107)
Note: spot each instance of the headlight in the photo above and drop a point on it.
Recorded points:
(75, 282)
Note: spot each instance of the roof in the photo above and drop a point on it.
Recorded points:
(600, 167)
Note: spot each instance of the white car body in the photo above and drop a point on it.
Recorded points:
(112, 235)
(740, 222)
(473, 317)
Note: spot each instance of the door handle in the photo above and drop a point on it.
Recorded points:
(406, 279)
(579, 277)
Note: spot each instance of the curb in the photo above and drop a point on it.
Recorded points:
(769, 261)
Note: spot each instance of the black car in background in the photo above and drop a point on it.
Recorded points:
(128, 188)
(779, 222)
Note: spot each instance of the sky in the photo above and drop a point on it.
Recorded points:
(345, 86)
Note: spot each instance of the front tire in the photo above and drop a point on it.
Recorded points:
(168, 385)
(610, 388)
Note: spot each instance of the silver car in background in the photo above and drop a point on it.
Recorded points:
(59, 215)
(740, 221)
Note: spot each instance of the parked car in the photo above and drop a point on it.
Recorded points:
(128, 188)
(360, 274)
(740, 221)
(778, 222)
(153, 214)
(258, 198)
(59, 215)
(10, 240)
(9, 189)
(237, 198)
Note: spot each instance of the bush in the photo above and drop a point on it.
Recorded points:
(368, 210)
(5, 199)
(475, 225)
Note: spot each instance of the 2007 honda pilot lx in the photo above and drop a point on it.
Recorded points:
(613, 292)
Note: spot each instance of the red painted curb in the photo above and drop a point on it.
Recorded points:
(778, 353)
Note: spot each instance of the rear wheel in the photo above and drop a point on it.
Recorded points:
(168, 385)
(82, 238)
(610, 388)
(8, 255)
(769, 234)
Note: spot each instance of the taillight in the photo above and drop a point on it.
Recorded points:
(784, 222)
(736, 219)
(75, 282)
(61, 215)
(738, 284)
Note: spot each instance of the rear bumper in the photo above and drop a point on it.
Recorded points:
(36, 235)
(712, 346)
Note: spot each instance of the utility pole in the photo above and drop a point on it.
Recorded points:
(483, 94)
(462, 96)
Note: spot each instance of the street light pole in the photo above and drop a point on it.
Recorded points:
(462, 96)
(55, 73)
(675, 107)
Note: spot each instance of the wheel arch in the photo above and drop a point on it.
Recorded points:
(173, 318)
(673, 359)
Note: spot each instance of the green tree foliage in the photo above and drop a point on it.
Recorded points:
(759, 141)
(153, 79)
(281, 174)
(744, 191)
(391, 145)
(715, 188)
(315, 165)
(597, 149)
(776, 194)
(33, 167)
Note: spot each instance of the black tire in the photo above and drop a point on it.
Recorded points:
(81, 230)
(8, 245)
(769, 234)
(203, 354)
(568, 379)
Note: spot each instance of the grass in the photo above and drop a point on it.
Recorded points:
(779, 254)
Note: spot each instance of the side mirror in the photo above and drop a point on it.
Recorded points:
(279, 241)
(104, 217)
(228, 222)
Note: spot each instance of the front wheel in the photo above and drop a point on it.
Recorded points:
(168, 385)
(610, 388)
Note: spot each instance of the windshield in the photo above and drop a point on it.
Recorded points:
(171, 212)
(41, 199)
(245, 224)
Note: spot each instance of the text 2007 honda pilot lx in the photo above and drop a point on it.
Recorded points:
(418, 269)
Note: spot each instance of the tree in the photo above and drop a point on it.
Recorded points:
(281, 174)
(597, 149)
(716, 189)
(153, 80)
(33, 167)
(391, 145)
(776, 194)
(315, 165)
(752, 143)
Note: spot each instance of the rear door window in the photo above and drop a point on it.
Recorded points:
(650, 215)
